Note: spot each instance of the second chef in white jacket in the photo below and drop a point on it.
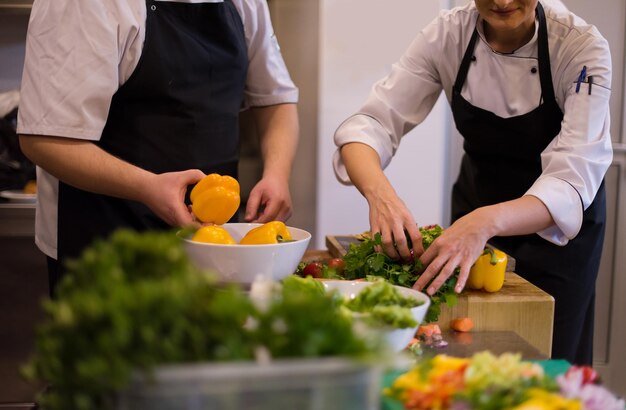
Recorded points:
(529, 85)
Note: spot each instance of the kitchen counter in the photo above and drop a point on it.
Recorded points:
(497, 342)
(519, 307)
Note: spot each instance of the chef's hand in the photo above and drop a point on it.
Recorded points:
(390, 216)
(460, 245)
(165, 196)
(269, 200)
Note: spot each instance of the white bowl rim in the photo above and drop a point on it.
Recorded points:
(307, 237)
(419, 295)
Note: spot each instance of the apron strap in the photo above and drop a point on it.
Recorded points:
(545, 73)
(465, 63)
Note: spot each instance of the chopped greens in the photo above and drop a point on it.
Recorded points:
(362, 261)
(384, 305)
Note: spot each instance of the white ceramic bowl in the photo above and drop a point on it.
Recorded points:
(243, 263)
(398, 339)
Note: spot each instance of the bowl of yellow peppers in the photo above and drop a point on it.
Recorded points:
(239, 252)
(242, 252)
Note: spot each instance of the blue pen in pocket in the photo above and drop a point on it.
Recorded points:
(581, 78)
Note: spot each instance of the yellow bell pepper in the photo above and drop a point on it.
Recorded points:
(213, 234)
(215, 199)
(488, 271)
(271, 232)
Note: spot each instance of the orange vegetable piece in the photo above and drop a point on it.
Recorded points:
(428, 330)
(462, 324)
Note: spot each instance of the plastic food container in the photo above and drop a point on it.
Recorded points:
(303, 384)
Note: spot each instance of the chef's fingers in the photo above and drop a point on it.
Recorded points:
(463, 275)
(444, 274)
(269, 212)
(416, 240)
(401, 244)
(252, 207)
(284, 212)
(432, 268)
(388, 245)
(374, 229)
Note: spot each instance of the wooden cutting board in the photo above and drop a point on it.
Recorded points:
(519, 306)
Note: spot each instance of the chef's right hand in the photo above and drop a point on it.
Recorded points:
(165, 196)
(390, 216)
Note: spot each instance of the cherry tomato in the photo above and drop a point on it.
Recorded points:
(338, 264)
(313, 269)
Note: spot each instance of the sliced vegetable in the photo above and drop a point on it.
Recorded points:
(462, 324)
(429, 330)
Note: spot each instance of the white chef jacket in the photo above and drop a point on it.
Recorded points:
(573, 164)
(80, 52)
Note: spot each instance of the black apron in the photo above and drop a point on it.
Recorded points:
(179, 110)
(501, 162)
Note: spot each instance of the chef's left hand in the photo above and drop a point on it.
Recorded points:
(269, 200)
(460, 245)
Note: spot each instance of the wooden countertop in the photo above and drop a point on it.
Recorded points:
(519, 307)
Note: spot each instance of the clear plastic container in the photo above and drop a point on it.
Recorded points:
(303, 384)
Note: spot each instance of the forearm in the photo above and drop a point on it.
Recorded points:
(522, 216)
(363, 166)
(84, 165)
(278, 129)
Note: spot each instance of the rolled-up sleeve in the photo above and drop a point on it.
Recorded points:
(575, 162)
(70, 70)
(268, 81)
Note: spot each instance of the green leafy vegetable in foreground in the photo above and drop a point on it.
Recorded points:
(362, 261)
(134, 302)
(384, 305)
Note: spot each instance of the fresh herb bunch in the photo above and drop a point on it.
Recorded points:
(135, 301)
(363, 261)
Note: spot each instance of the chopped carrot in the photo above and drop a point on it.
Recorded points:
(462, 324)
(428, 330)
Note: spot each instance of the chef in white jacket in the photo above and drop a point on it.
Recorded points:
(529, 85)
(127, 102)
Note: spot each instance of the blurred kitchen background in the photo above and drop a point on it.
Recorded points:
(335, 51)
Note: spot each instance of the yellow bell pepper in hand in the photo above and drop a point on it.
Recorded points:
(271, 232)
(488, 271)
(215, 199)
(213, 234)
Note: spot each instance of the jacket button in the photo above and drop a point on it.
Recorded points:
(533, 70)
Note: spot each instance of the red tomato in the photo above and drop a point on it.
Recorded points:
(338, 264)
(313, 269)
